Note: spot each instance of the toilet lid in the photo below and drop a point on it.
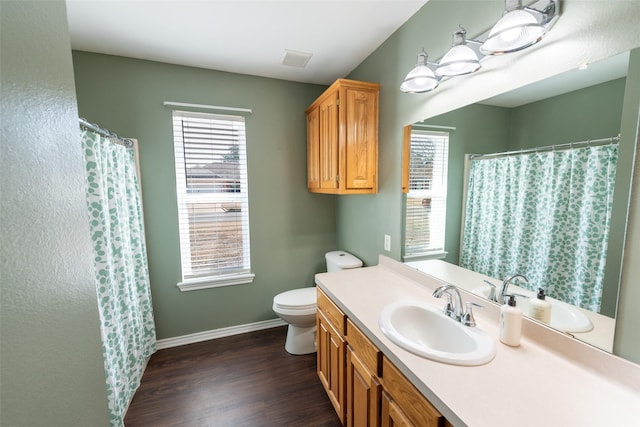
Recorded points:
(302, 298)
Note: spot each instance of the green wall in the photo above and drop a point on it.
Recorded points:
(626, 343)
(52, 368)
(589, 113)
(291, 229)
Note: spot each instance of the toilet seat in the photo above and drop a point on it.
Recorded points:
(296, 299)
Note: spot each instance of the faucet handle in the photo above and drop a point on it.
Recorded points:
(467, 316)
(492, 292)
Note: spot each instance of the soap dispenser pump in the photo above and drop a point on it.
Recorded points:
(510, 323)
(540, 308)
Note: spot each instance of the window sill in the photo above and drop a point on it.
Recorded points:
(215, 282)
(425, 256)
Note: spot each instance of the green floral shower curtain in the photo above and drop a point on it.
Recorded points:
(545, 215)
(122, 277)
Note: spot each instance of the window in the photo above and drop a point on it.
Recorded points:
(213, 204)
(427, 195)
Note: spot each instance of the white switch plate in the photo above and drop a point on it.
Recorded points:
(387, 242)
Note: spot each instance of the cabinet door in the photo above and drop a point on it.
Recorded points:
(363, 394)
(328, 141)
(313, 149)
(392, 416)
(331, 362)
(409, 400)
(361, 138)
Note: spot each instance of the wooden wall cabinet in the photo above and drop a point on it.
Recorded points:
(342, 139)
(365, 388)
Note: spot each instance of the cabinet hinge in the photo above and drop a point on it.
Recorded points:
(338, 101)
(337, 178)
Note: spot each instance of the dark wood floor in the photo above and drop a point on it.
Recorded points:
(243, 380)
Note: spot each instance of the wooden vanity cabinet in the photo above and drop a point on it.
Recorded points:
(331, 323)
(403, 405)
(364, 391)
(342, 139)
(365, 388)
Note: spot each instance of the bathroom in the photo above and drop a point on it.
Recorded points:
(293, 228)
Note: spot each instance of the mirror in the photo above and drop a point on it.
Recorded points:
(579, 105)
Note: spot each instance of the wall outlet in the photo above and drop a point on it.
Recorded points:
(387, 243)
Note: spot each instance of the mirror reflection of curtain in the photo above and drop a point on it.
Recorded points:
(545, 215)
(122, 276)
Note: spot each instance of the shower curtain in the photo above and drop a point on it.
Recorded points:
(545, 215)
(122, 277)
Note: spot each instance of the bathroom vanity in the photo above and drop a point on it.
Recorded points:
(550, 379)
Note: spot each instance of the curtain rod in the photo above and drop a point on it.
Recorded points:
(567, 146)
(104, 132)
(206, 107)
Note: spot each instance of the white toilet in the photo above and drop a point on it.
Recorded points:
(298, 307)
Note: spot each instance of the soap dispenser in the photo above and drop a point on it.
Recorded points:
(540, 308)
(510, 323)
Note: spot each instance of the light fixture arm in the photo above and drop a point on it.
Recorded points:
(549, 13)
(459, 37)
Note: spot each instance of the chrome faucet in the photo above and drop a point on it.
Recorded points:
(499, 296)
(453, 307)
(454, 311)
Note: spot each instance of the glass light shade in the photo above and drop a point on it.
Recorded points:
(420, 79)
(460, 59)
(516, 30)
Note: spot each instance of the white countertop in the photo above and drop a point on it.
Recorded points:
(550, 380)
(600, 336)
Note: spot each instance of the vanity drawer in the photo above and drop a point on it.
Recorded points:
(365, 349)
(333, 314)
(414, 405)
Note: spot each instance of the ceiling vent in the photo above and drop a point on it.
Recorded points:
(295, 59)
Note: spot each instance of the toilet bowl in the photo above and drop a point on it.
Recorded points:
(298, 307)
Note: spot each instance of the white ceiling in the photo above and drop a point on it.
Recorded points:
(242, 36)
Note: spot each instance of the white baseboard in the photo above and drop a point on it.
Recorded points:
(219, 333)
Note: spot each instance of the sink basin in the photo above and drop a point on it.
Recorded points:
(564, 317)
(424, 330)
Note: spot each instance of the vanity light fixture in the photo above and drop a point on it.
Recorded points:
(421, 79)
(518, 28)
(460, 59)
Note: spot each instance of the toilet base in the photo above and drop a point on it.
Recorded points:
(301, 340)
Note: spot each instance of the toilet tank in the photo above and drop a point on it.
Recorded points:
(341, 260)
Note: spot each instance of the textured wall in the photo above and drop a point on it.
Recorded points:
(52, 368)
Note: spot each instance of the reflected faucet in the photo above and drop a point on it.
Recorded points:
(499, 296)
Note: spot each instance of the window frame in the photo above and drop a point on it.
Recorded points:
(190, 194)
(437, 194)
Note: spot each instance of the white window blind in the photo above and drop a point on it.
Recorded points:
(427, 196)
(213, 204)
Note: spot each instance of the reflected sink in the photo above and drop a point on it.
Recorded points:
(564, 317)
(424, 330)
